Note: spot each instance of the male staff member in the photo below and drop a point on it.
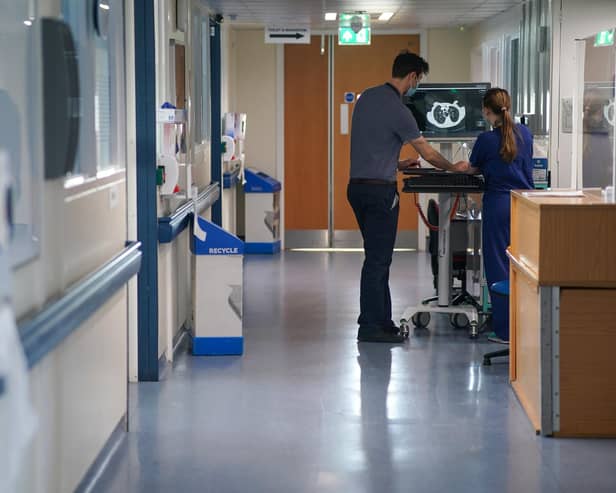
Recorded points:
(381, 125)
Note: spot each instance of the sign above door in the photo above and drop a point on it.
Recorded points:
(287, 35)
(354, 29)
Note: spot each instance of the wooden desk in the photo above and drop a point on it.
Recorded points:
(563, 312)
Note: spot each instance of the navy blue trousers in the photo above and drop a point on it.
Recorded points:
(376, 208)
(496, 238)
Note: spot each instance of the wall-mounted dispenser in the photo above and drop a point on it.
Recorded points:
(61, 98)
(172, 120)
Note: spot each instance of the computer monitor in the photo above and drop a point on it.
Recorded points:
(449, 111)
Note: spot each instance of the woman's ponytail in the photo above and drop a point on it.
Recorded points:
(499, 102)
(509, 147)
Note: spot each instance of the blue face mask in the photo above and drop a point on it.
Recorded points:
(412, 90)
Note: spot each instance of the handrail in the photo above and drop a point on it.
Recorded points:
(169, 227)
(41, 334)
(207, 197)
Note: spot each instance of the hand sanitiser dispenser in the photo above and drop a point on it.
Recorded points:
(61, 98)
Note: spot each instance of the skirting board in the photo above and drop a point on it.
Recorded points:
(103, 459)
(317, 238)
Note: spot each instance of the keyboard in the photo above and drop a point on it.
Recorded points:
(431, 181)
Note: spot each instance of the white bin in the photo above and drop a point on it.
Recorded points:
(218, 291)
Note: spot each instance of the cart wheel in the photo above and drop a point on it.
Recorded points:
(421, 320)
(459, 321)
(404, 329)
(474, 332)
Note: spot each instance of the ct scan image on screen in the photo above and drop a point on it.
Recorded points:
(449, 110)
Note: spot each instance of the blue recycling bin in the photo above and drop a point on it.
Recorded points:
(218, 290)
(262, 212)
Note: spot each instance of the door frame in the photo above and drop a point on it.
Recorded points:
(147, 219)
(280, 115)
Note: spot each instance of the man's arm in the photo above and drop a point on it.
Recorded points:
(435, 158)
(473, 170)
(408, 163)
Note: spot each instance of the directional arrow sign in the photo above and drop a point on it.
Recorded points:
(287, 36)
(293, 35)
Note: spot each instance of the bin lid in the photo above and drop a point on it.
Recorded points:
(230, 178)
(259, 182)
(211, 239)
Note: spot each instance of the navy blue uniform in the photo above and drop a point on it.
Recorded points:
(500, 177)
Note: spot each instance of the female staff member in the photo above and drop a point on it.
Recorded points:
(504, 157)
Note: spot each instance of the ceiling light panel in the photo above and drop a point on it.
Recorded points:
(408, 15)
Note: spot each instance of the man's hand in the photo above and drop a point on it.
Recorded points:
(435, 158)
(461, 167)
(408, 163)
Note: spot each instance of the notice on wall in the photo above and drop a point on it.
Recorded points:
(349, 97)
(287, 35)
(344, 119)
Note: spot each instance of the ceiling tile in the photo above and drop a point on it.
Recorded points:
(413, 14)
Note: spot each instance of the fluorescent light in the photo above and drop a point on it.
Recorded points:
(28, 23)
(104, 6)
(331, 16)
(385, 16)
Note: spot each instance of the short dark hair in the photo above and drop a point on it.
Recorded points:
(406, 63)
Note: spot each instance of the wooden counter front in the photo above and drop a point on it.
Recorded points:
(563, 312)
(587, 363)
(525, 340)
(565, 241)
(585, 366)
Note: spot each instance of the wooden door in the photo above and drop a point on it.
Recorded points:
(306, 142)
(357, 68)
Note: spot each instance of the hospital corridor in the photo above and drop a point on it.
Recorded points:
(309, 409)
(334, 246)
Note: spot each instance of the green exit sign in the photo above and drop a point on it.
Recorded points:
(346, 36)
(605, 38)
(354, 29)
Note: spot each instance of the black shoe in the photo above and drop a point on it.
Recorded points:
(392, 329)
(380, 335)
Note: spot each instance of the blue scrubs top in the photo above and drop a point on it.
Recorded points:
(501, 177)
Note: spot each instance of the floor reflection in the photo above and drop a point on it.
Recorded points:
(375, 365)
